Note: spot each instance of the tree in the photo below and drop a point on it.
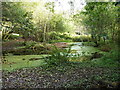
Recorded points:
(32, 19)
(100, 20)
(16, 19)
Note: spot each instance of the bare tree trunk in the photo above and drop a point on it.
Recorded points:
(44, 33)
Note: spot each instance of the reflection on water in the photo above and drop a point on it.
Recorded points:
(82, 50)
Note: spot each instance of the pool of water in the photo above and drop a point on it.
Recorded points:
(77, 47)
(21, 61)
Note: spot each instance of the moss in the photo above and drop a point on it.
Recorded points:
(16, 62)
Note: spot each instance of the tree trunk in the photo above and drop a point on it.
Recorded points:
(44, 34)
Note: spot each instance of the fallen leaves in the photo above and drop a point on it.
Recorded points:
(54, 78)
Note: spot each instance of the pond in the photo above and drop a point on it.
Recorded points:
(77, 47)
(21, 61)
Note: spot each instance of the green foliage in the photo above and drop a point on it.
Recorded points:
(105, 47)
(88, 44)
(50, 6)
(114, 77)
(81, 38)
(16, 19)
(113, 55)
(54, 36)
(110, 60)
(59, 37)
(77, 39)
(57, 23)
(55, 41)
(100, 20)
(65, 36)
(30, 44)
(38, 35)
(19, 48)
(34, 48)
(58, 56)
(13, 37)
(21, 18)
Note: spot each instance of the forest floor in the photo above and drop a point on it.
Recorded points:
(91, 74)
(66, 76)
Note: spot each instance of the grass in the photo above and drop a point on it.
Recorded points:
(56, 41)
(106, 63)
(108, 77)
(88, 43)
(17, 62)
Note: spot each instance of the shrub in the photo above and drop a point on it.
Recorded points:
(105, 48)
(39, 49)
(65, 36)
(82, 38)
(18, 48)
(55, 41)
(88, 44)
(35, 48)
(30, 44)
(76, 39)
(20, 43)
(58, 56)
(110, 59)
(114, 55)
(13, 37)
(53, 36)
(58, 36)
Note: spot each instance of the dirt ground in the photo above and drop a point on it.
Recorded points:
(67, 77)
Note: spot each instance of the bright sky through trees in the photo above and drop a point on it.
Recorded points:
(63, 5)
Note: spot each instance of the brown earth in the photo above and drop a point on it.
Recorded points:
(57, 77)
